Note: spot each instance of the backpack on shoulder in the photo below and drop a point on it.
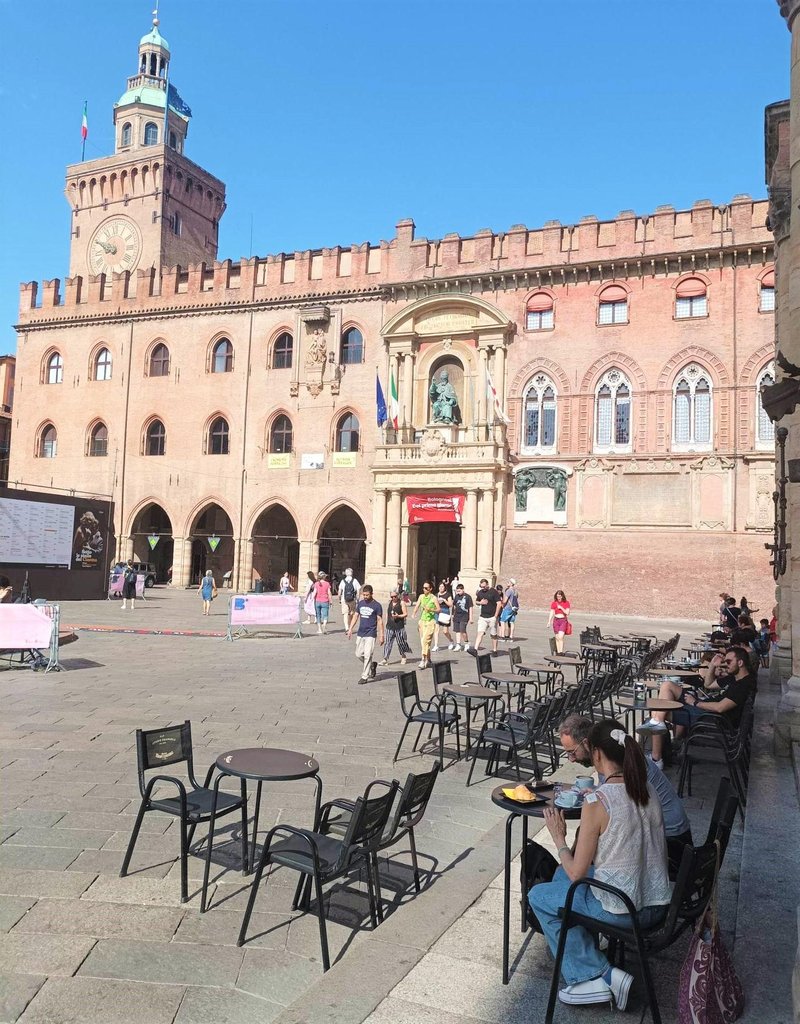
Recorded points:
(349, 591)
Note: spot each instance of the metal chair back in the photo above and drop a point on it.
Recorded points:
(722, 817)
(484, 663)
(156, 748)
(408, 687)
(442, 674)
(414, 798)
(515, 656)
(369, 821)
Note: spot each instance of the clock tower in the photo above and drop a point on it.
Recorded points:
(147, 205)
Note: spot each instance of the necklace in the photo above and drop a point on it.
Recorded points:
(614, 775)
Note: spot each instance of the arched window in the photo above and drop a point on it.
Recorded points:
(613, 306)
(48, 442)
(155, 439)
(282, 352)
(766, 294)
(347, 433)
(55, 369)
(691, 299)
(159, 361)
(539, 312)
(150, 133)
(222, 358)
(177, 223)
(218, 437)
(539, 423)
(691, 408)
(765, 428)
(352, 348)
(281, 435)
(125, 139)
(613, 411)
(98, 440)
(102, 365)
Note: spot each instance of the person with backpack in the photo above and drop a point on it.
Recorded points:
(349, 589)
(508, 615)
(129, 585)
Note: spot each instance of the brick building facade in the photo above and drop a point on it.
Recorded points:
(232, 404)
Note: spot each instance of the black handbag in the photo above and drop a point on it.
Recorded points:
(538, 865)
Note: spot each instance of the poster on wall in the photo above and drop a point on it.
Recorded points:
(36, 533)
(434, 508)
(89, 541)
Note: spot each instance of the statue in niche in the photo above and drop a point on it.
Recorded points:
(444, 400)
(316, 348)
(555, 479)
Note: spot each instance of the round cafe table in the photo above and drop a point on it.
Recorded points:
(507, 679)
(269, 764)
(469, 692)
(520, 810)
(684, 673)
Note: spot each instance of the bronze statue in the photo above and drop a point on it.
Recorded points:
(444, 399)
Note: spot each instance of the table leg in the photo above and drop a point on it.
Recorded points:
(507, 896)
(469, 732)
(255, 828)
(524, 895)
(317, 800)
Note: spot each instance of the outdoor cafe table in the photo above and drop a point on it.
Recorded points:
(470, 692)
(683, 672)
(524, 811)
(629, 705)
(507, 679)
(562, 662)
(269, 764)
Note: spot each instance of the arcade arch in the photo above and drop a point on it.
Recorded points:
(211, 535)
(343, 543)
(276, 547)
(151, 533)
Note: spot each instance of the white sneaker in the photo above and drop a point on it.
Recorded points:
(403, 661)
(434, 650)
(655, 723)
(451, 647)
(466, 647)
(585, 992)
(383, 661)
(658, 762)
(456, 647)
(423, 664)
(620, 985)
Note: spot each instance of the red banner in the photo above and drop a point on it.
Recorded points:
(434, 508)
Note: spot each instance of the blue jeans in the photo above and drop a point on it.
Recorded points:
(582, 960)
(322, 608)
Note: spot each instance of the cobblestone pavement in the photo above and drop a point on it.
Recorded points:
(78, 943)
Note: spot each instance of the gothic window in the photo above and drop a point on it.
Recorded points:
(98, 440)
(539, 418)
(691, 299)
(55, 369)
(177, 223)
(765, 428)
(218, 437)
(613, 307)
(691, 409)
(102, 365)
(150, 133)
(222, 359)
(282, 352)
(48, 442)
(347, 434)
(539, 312)
(126, 134)
(159, 361)
(155, 439)
(613, 412)
(352, 349)
(281, 435)
(766, 295)
(173, 140)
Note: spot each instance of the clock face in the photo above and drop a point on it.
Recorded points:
(115, 246)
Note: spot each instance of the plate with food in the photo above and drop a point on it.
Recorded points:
(521, 795)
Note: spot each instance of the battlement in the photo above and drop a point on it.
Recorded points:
(627, 242)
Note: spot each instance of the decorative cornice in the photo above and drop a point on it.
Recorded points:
(789, 9)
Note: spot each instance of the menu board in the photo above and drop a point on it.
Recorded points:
(36, 533)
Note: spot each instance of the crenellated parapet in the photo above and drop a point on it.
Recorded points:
(664, 242)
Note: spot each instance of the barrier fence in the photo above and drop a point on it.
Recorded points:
(248, 613)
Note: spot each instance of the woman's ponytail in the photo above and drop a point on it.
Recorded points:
(634, 773)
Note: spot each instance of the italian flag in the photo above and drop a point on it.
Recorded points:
(494, 399)
(394, 408)
(85, 121)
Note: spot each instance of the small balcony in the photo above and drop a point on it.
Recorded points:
(451, 446)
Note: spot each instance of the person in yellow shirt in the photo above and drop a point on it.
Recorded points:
(426, 607)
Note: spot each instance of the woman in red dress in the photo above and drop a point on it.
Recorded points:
(559, 618)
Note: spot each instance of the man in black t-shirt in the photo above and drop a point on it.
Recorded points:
(368, 616)
(462, 617)
(487, 599)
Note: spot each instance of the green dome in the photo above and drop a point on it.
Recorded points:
(154, 38)
(143, 94)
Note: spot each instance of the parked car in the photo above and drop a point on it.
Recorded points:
(147, 569)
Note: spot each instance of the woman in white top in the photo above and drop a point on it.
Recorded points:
(621, 842)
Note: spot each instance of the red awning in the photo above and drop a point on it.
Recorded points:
(691, 288)
(539, 302)
(614, 293)
(435, 508)
(768, 280)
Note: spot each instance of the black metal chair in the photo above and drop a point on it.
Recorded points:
(157, 748)
(714, 742)
(323, 858)
(511, 732)
(431, 712)
(690, 897)
(407, 814)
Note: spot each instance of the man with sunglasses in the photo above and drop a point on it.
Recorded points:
(573, 733)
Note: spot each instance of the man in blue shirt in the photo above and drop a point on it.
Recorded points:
(574, 731)
(368, 616)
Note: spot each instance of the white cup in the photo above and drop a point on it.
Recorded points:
(568, 798)
(584, 782)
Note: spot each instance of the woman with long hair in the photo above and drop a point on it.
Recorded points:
(444, 599)
(308, 599)
(559, 618)
(621, 842)
(396, 615)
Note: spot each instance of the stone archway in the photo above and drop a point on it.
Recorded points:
(343, 543)
(151, 533)
(213, 547)
(275, 547)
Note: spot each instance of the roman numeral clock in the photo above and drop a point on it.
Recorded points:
(115, 246)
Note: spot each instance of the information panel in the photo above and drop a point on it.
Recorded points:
(36, 533)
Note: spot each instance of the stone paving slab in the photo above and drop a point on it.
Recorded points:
(68, 838)
(49, 858)
(21, 953)
(16, 991)
(44, 883)
(138, 890)
(101, 920)
(174, 963)
(221, 1006)
(13, 909)
(92, 1001)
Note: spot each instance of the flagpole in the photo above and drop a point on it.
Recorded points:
(84, 131)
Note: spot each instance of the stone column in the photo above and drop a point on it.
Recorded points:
(469, 555)
(308, 560)
(483, 356)
(499, 374)
(393, 530)
(379, 529)
(243, 579)
(407, 400)
(181, 561)
(486, 532)
(124, 548)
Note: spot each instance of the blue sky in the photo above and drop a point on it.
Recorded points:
(330, 121)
